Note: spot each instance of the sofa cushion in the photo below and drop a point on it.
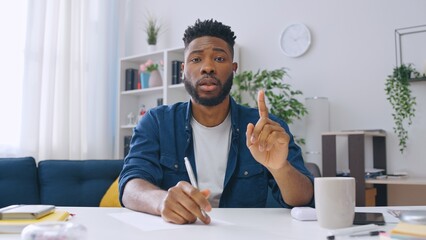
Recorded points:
(76, 182)
(111, 197)
(18, 181)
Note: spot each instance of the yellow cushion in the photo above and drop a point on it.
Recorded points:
(110, 198)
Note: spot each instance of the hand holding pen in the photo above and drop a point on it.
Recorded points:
(184, 203)
(194, 183)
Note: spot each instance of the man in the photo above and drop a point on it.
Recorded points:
(235, 151)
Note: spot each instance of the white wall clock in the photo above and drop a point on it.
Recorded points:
(295, 40)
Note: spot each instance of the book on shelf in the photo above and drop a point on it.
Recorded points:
(136, 79)
(397, 175)
(131, 79)
(16, 225)
(380, 131)
(392, 176)
(374, 173)
(128, 79)
(370, 173)
(176, 72)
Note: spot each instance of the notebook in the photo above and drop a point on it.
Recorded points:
(16, 225)
(25, 211)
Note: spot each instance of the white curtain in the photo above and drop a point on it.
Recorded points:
(70, 79)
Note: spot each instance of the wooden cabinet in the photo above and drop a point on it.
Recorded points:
(356, 157)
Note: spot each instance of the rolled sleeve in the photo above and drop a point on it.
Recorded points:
(142, 160)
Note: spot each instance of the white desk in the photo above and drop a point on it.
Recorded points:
(402, 191)
(245, 224)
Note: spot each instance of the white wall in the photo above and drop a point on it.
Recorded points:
(351, 55)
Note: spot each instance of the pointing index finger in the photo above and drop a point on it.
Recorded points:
(263, 110)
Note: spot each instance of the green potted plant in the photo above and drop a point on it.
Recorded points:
(152, 30)
(280, 95)
(403, 103)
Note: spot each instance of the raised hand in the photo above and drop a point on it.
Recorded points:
(267, 140)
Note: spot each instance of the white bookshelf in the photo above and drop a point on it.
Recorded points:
(130, 100)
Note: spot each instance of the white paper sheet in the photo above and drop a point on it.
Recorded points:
(147, 222)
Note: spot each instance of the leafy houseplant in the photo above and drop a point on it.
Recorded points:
(399, 96)
(152, 30)
(148, 66)
(280, 95)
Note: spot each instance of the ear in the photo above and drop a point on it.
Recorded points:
(234, 67)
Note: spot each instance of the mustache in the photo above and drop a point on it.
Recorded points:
(208, 76)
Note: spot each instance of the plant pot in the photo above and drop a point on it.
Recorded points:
(152, 48)
(155, 79)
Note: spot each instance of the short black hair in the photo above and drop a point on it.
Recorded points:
(210, 28)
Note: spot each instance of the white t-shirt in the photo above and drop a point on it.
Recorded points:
(211, 149)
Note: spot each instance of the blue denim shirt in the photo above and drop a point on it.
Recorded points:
(163, 137)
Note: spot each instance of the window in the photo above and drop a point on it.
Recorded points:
(13, 25)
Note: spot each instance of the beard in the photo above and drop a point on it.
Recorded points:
(225, 89)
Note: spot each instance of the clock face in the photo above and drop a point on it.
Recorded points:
(295, 40)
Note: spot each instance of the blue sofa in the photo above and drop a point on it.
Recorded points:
(66, 182)
(57, 182)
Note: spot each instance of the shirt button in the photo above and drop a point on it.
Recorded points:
(176, 166)
(245, 173)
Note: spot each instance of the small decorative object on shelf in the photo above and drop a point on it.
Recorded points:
(142, 111)
(152, 30)
(144, 79)
(150, 75)
(131, 118)
(155, 79)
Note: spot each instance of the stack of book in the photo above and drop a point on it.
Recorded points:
(14, 218)
(374, 173)
(176, 72)
(397, 175)
(369, 173)
(132, 80)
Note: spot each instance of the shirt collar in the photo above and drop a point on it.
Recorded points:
(234, 116)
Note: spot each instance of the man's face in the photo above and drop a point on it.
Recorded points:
(208, 70)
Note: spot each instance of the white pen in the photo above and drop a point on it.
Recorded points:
(192, 179)
(351, 230)
(191, 174)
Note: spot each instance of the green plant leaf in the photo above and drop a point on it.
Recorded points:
(403, 104)
(280, 96)
(152, 30)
